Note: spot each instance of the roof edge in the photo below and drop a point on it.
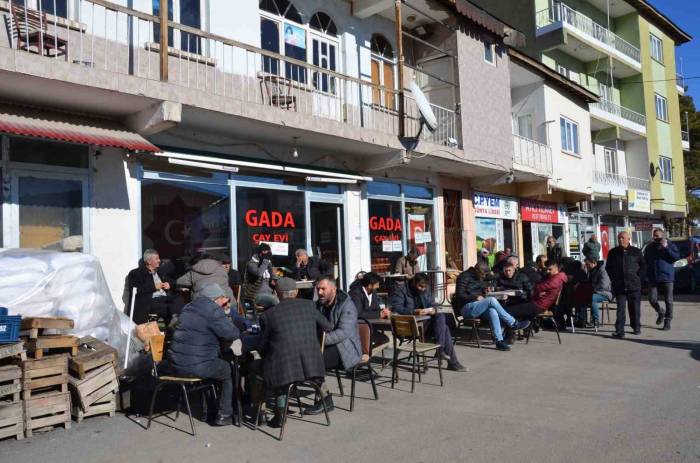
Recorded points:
(491, 23)
(650, 12)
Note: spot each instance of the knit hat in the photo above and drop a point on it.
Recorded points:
(212, 291)
(286, 284)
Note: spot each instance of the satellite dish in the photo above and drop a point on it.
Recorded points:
(652, 170)
(426, 112)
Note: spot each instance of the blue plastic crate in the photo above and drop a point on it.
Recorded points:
(9, 328)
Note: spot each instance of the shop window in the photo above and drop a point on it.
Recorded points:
(384, 188)
(29, 150)
(50, 210)
(453, 229)
(382, 71)
(182, 220)
(273, 216)
(419, 192)
(420, 233)
(385, 234)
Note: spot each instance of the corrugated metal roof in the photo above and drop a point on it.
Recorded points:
(35, 122)
(511, 36)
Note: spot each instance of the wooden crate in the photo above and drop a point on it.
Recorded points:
(10, 352)
(98, 383)
(106, 405)
(46, 374)
(91, 354)
(12, 420)
(47, 410)
(33, 326)
(10, 384)
(53, 342)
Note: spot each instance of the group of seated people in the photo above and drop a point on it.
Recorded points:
(287, 337)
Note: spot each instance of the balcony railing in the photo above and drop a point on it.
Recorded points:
(561, 13)
(447, 132)
(620, 111)
(532, 155)
(620, 181)
(680, 81)
(110, 37)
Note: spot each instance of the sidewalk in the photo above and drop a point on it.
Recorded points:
(593, 398)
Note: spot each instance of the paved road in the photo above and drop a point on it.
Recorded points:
(591, 399)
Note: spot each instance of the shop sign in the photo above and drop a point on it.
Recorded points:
(269, 227)
(639, 200)
(642, 225)
(494, 206)
(539, 211)
(386, 231)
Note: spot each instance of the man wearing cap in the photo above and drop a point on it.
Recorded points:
(290, 344)
(196, 346)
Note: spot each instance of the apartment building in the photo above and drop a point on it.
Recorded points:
(624, 52)
(283, 121)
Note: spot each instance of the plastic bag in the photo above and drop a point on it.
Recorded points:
(37, 283)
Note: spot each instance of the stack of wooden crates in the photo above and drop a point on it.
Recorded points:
(11, 407)
(93, 379)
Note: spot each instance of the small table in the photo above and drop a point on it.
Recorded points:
(305, 284)
(383, 322)
(503, 295)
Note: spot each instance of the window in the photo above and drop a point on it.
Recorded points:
(324, 51)
(666, 169)
(657, 48)
(489, 53)
(382, 69)
(280, 34)
(54, 7)
(188, 13)
(323, 23)
(610, 161)
(525, 126)
(661, 107)
(569, 136)
(30, 150)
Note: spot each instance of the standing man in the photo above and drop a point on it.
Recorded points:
(256, 288)
(554, 251)
(626, 267)
(415, 298)
(660, 257)
(342, 348)
(592, 248)
(153, 291)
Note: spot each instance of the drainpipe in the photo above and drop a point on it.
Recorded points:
(399, 51)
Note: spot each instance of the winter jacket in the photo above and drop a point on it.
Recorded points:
(405, 300)
(256, 279)
(591, 249)
(343, 318)
(600, 281)
(365, 309)
(555, 254)
(290, 342)
(313, 270)
(404, 267)
(142, 279)
(203, 273)
(201, 330)
(520, 282)
(547, 291)
(467, 289)
(660, 262)
(626, 268)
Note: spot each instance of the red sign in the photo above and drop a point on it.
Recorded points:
(384, 229)
(538, 211)
(274, 219)
(605, 240)
(416, 224)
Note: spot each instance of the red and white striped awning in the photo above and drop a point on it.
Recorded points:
(35, 122)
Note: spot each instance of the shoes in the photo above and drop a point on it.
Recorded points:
(667, 325)
(637, 332)
(455, 366)
(276, 421)
(509, 340)
(445, 357)
(521, 325)
(618, 335)
(223, 420)
(659, 319)
(500, 345)
(317, 407)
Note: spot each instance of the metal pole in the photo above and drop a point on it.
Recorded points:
(163, 40)
(399, 51)
(131, 328)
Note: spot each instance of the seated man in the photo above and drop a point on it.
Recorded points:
(470, 302)
(602, 287)
(204, 272)
(153, 291)
(544, 296)
(257, 277)
(513, 279)
(416, 298)
(196, 346)
(290, 344)
(309, 268)
(366, 300)
(342, 347)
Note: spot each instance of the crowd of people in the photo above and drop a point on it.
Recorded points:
(282, 322)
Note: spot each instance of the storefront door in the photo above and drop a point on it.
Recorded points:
(46, 209)
(326, 237)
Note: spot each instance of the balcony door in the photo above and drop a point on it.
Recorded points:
(324, 54)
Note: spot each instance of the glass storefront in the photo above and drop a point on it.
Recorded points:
(401, 217)
(495, 224)
(454, 249)
(540, 220)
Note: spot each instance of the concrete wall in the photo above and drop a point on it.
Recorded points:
(485, 101)
(530, 99)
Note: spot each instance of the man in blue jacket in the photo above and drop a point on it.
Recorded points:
(416, 298)
(202, 329)
(660, 256)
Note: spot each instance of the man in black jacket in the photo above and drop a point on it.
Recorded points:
(416, 298)
(195, 350)
(153, 290)
(290, 343)
(626, 267)
(309, 268)
(366, 300)
(513, 279)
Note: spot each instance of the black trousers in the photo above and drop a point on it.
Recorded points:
(633, 300)
(218, 370)
(524, 311)
(667, 289)
(331, 357)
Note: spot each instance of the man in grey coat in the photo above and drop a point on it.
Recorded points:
(592, 248)
(602, 288)
(203, 273)
(342, 348)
